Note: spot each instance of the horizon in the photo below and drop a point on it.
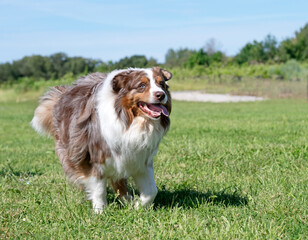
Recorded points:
(104, 31)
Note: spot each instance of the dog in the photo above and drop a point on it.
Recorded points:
(107, 128)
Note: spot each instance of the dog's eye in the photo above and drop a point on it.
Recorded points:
(162, 83)
(142, 86)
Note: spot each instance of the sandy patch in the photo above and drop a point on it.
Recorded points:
(199, 96)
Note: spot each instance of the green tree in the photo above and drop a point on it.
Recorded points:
(139, 61)
(259, 52)
(177, 58)
(58, 67)
(297, 47)
(270, 48)
(6, 72)
(200, 58)
(217, 57)
(152, 62)
(35, 66)
(251, 52)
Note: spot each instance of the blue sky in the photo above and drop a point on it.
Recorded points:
(110, 30)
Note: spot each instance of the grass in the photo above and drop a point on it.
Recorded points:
(224, 171)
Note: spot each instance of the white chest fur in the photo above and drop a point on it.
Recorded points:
(132, 149)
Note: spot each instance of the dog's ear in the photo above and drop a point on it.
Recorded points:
(118, 82)
(167, 75)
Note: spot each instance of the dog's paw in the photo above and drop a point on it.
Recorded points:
(127, 198)
(98, 210)
(137, 205)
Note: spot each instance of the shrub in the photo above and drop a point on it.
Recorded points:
(291, 70)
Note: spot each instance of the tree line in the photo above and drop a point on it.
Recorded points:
(256, 52)
(57, 65)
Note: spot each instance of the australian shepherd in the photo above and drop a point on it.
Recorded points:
(107, 128)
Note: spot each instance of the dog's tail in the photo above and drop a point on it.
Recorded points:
(42, 121)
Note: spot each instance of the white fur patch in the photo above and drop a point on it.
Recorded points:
(97, 191)
(38, 126)
(131, 148)
(154, 88)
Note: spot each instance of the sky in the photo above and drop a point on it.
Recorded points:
(110, 30)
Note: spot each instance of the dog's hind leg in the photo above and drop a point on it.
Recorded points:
(120, 188)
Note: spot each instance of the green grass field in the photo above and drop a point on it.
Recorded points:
(224, 171)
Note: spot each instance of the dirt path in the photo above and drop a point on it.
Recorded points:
(199, 96)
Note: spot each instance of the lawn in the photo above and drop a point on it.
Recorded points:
(224, 171)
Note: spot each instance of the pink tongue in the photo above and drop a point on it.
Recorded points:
(159, 108)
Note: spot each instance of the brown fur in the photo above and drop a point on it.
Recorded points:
(128, 94)
(120, 187)
(79, 144)
(44, 110)
(126, 103)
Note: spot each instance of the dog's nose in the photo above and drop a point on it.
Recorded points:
(159, 95)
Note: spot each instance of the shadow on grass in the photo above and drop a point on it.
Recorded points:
(9, 171)
(192, 199)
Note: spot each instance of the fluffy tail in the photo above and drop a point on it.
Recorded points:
(42, 121)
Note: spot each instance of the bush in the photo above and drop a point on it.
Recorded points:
(291, 70)
(25, 84)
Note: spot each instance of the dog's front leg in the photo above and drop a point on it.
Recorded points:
(97, 192)
(145, 183)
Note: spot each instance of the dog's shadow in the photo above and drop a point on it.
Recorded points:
(193, 199)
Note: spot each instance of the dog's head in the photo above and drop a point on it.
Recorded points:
(142, 92)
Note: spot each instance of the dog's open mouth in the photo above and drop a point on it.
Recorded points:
(153, 110)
